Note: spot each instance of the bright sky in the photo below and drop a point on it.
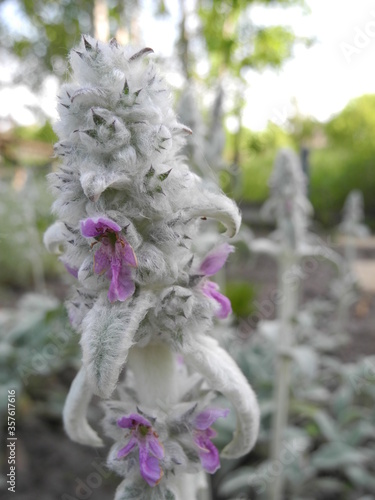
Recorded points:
(321, 79)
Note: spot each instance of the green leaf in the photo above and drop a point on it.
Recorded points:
(360, 477)
(359, 433)
(125, 90)
(169, 495)
(150, 173)
(98, 120)
(238, 481)
(108, 332)
(163, 176)
(91, 133)
(333, 456)
(328, 485)
(88, 45)
(327, 425)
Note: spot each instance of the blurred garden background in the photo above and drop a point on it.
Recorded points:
(249, 78)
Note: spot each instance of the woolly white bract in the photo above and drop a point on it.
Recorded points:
(130, 212)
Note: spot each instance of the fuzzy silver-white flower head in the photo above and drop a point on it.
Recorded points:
(129, 210)
(352, 223)
(288, 202)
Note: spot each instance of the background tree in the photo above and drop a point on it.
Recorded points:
(46, 31)
(235, 45)
(354, 126)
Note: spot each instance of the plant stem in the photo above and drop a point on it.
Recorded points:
(287, 311)
(155, 370)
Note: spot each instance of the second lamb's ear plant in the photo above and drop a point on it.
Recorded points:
(130, 214)
(352, 225)
(290, 243)
(291, 207)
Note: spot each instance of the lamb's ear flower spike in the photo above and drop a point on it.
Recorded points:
(130, 214)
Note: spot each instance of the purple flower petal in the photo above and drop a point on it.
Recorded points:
(210, 433)
(102, 260)
(129, 255)
(149, 466)
(210, 289)
(208, 454)
(207, 417)
(155, 446)
(122, 286)
(96, 226)
(128, 447)
(114, 256)
(215, 260)
(225, 305)
(132, 420)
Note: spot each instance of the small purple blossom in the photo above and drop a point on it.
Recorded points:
(203, 433)
(213, 262)
(150, 448)
(211, 289)
(115, 256)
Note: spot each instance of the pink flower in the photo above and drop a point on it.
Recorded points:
(208, 453)
(150, 448)
(115, 256)
(213, 262)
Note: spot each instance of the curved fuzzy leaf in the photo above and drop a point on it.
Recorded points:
(55, 237)
(222, 374)
(218, 207)
(108, 332)
(75, 409)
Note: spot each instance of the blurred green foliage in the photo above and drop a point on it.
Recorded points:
(354, 127)
(26, 214)
(343, 160)
(241, 295)
(42, 133)
(36, 342)
(347, 162)
(46, 31)
(233, 41)
(334, 173)
(257, 151)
